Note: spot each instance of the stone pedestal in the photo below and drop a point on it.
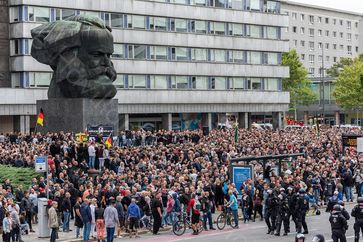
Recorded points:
(75, 114)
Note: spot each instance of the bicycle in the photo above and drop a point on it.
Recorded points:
(226, 217)
(183, 222)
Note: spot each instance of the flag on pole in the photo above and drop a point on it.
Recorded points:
(236, 133)
(108, 142)
(317, 125)
(40, 119)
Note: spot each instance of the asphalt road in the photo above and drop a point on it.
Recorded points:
(252, 232)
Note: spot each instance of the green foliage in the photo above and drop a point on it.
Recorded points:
(17, 176)
(335, 69)
(298, 83)
(349, 86)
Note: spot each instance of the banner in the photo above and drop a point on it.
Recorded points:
(105, 131)
(239, 174)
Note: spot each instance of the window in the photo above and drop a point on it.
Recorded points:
(158, 82)
(137, 81)
(254, 31)
(312, 72)
(311, 32)
(217, 28)
(118, 51)
(341, 35)
(216, 3)
(302, 57)
(15, 80)
(334, 34)
(238, 56)
(271, 7)
(199, 82)
(341, 47)
(38, 14)
(198, 2)
(349, 24)
(218, 55)
(327, 20)
(311, 19)
(334, 21)
(179, 82)
(320, 32)
(120, 81)
(295, 42)
(61, 14)
(237, 29)
(157, 23)
(271, 33)
(356, 24)
(254, 83)
(302, 30)
(327, 58)
(294, 29)
(302, 16)
(136, 22)
(327, 33)
(254, 58)
(218, 83)
(356, 49)
(178, 1)
(199, 26)
(341, 22)
(349, 37)
(117, 20)
(237, 83)
(272, 58)
(199, 54)
(255, 5)
(302, 43)
(159, 52)
(20, 46)
(39, 79)
(327, 46)
(179, 25)
(311, 59)
(235, 4)
(179, 53)
(319, 19)
(272, 84)
(320, 58)
(334, 46)
(294, 16)
(349, 49)
(311, 46)
(137, 52)
(14, 15)
(320, 45)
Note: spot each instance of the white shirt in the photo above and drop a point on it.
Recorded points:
(91, 150)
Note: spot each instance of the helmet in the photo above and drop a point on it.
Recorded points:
(290, 189)
(301, 191)
(337, 208)
(341, 203)
(318, 238)
(282, 189)
(299, 238)
(269, 191)
(360, 200)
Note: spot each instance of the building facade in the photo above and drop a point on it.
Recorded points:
(181, 63)
(322, 36)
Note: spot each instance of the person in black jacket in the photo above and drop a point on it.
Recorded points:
(271, 208)
(301, 207)
(348, 183)
(66, 208)
(338, 224)
(357, 213)
(27, 207)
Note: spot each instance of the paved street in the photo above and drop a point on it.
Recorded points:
(253, 232)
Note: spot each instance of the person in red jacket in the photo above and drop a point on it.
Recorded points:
(195, 206)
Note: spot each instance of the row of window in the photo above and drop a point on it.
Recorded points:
(327, 46)
(42, 79)
(326, 34)
(118, 20)
(144, 52)
(312, 19)
(266, 6)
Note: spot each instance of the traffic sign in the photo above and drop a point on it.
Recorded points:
(41, 164)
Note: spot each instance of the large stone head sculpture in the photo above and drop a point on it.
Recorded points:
(78, 50)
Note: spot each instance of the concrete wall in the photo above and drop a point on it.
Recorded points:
(6, 124)
(4, 45)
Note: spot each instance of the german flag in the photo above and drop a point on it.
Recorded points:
(108, 142)
(40, 120)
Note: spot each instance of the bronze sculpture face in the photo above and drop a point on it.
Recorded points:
(78, 50)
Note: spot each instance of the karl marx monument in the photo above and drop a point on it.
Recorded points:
(80, 94)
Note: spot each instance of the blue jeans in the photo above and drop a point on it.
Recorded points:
(91, 161)
(78, 232)
(246, 216)
(86, 231)
(235, 215)
(317, 194)
(110, 234)
(66, 216)
(348, 193)
(207, 216)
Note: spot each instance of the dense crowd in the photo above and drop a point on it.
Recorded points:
(159, 175)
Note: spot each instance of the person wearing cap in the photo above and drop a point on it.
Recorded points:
(338, 224)
(357, 213)
(318, 238)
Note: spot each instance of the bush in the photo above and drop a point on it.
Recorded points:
(18, 176)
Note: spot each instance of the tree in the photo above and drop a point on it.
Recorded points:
(349, 86)
(335, 69)
(298, 83)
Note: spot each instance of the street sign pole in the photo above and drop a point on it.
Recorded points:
(47, 174)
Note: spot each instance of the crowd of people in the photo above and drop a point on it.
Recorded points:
(157, 176)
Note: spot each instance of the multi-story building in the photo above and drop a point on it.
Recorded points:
(180, 63)
(322, 36)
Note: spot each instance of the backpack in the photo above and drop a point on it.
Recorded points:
(197, 206)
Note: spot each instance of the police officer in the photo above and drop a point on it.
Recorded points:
(291, 198)
(338, 224)
(282, 213)
(271, 212)
(300, 238)
(301, 207)
(357, 213)
(344, 211)
(318, 238)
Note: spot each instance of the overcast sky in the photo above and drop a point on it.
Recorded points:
(350, 5)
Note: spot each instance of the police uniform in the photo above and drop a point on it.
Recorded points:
(301, 207)
(282, 216)
(338, 226)
(271, 213)
(357, 213)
